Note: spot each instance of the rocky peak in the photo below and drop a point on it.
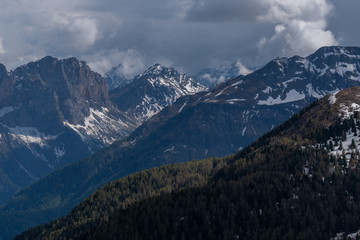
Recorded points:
(157, 69)
(53, 112)
(334, 57)
(337, 51)
(114, 78)
(6, 87)
(75, 86)
(3, 71)
(159, 75)
(153, 90)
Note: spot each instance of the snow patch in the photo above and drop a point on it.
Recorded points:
(355, 78)
(98, 125)
(33, 177)
(6, 110)
(253, 130)
(59, 152)
(182, 107)
(31, 135)
(285, 84)
(237, 83)
(342, 68)
(232, 101)
(332, 98)
(169, 149)
(291, 96)
(347, 111)
(312, 92)
(342, 235)
(220, 93)
(267, 90)
(243, 131)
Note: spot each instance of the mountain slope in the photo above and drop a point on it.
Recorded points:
(290, 183)
(153, 90)
(214, 123)
(52, 112)
(240, 110)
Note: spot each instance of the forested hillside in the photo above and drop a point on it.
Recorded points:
(118, 195)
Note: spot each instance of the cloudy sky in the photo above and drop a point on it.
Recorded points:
(186, 34)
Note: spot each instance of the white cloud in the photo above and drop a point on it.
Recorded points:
(243, 70)
(131, 62)
(300, 27)
(84, 31)
(79, 31)
(286, 10)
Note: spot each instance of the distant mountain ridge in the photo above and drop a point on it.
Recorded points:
(214, 123)
(54, 112)
(153, 90)
(285, 85)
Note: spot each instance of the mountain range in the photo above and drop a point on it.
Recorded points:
(213, 123)
(54, 112)
(208, 77)
(299, 181)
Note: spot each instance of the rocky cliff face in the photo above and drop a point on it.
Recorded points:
(52, 112)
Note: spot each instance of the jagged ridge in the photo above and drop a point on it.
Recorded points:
(153, 90)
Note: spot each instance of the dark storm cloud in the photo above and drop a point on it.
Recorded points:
(226, 10)
(186, 34)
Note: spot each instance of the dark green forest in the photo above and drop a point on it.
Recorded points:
(118, 195)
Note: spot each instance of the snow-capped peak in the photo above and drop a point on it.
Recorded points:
(155, 89)
(155, 70)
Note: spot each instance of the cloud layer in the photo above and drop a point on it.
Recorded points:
(186, 34)
(300, 27)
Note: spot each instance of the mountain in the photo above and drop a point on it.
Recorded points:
(236, 112)
(275, 92)
(153, 90)
(114, 78)
(214, 123)
(52, 112)
(299, 181)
